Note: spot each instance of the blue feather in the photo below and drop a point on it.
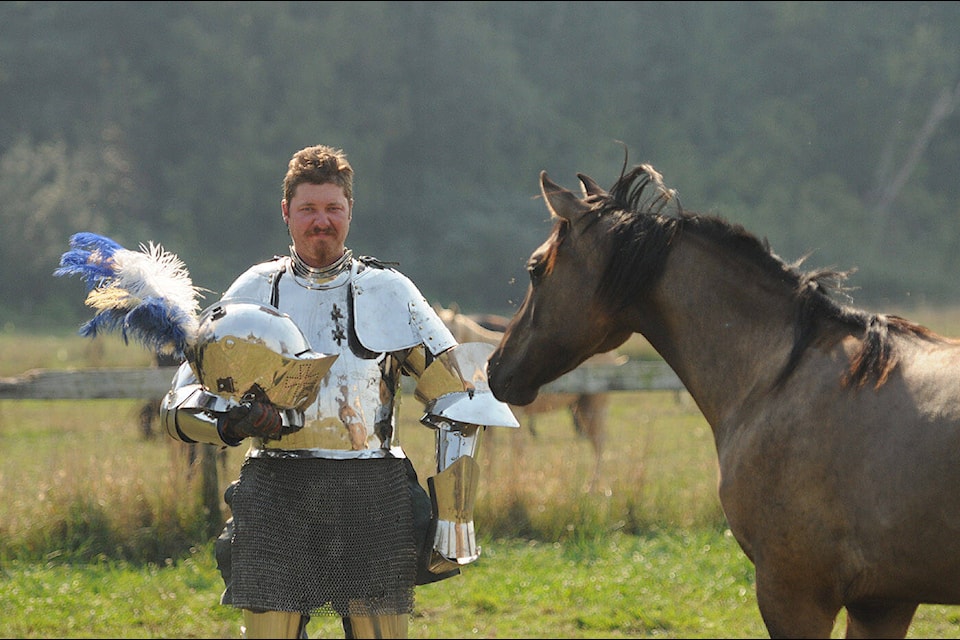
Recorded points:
(94, 241)
(89, 258)
(103, 322)
(156, 325)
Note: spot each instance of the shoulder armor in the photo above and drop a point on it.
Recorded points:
(256, 283)
(391, 314)
(377, 263)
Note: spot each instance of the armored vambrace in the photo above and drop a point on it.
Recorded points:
(190, 413)
(459, 405)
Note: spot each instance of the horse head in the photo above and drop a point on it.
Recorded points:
(562, 321)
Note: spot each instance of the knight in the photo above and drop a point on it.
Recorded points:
(302, 359)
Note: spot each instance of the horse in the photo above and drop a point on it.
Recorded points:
(837, 430)
(587, 410)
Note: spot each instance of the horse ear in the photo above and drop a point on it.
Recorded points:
(590, 187)
(562, 202)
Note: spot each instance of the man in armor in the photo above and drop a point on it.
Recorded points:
(303, 355)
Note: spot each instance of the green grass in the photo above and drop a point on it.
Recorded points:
(670, 584)
(101, 529)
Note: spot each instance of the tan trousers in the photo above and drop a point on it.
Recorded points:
(284, 624)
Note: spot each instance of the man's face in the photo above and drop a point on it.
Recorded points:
(318, 217)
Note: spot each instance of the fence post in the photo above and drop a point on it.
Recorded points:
(210, 488)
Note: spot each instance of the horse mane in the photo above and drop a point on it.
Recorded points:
(643, 236)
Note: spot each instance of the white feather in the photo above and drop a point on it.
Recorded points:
(153, 272)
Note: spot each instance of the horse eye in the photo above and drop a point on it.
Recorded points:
(535, 268)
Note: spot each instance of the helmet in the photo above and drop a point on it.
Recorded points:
(249, 350)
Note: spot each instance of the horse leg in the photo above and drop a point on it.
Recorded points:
(489, 440)
(531, 427)
(880, 620)
(590, 420)
(149, 411)
(789, 612)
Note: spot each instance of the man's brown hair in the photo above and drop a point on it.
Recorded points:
(319, 164)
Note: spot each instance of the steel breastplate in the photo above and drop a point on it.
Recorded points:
(353, 414)
(351, 418)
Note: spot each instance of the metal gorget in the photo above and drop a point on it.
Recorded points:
(313, 278)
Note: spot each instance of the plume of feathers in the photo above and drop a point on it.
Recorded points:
(146, 295)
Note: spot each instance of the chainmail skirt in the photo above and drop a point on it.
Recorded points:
(321, 536)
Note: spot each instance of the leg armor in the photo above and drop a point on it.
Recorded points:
(376, 626)
(274, 624)
(454, 491)
(286, 624)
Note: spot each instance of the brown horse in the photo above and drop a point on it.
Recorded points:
(837, 430)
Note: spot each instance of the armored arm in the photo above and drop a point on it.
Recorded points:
(459, 406)
(192, 414)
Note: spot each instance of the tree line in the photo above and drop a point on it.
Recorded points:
(829, 128)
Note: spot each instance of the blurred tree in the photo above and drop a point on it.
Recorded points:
(827, 127)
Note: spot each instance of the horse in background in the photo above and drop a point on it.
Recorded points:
(588, 410)
(837, 430)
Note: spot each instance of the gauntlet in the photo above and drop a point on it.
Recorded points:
(257, 419)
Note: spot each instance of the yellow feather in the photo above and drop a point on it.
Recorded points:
(111, 298)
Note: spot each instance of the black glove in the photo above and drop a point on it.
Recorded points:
(258, 419)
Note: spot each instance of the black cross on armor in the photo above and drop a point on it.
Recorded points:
(338, 333)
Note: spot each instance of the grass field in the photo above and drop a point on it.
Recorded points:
(99, 533)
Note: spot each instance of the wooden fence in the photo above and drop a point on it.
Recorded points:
(154, 382)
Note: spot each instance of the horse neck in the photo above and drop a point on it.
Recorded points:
(722, 322)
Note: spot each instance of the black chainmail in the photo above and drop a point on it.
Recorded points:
(322, 536)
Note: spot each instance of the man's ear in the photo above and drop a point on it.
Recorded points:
(284, 211)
